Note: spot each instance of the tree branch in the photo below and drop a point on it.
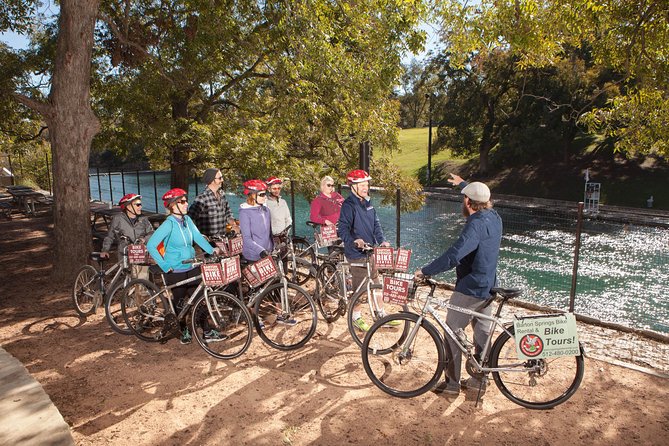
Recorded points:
(43, 108)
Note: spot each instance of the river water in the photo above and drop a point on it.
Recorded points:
(623, 269)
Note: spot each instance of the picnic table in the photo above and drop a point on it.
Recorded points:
(26, 198)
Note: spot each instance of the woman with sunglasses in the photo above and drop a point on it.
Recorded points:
(177, 234)
(325, 208)
(255, 221)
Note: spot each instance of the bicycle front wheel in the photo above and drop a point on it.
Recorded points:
(225, 330)
(144, 310)
(534, 383)
(403, 365)
(285, 321)
(113, 312)
(369, 314)
(328, 292)
(86, 293)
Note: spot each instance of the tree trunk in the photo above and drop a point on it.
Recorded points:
(72, 126)
(568, 135)
(487, 138)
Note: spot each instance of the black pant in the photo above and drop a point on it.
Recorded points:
(180, 293)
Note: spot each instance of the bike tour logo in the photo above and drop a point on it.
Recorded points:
(531, 345)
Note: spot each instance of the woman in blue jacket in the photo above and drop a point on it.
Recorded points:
(177, 235)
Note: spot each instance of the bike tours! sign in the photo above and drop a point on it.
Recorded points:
(546, 336)
(396, 290)
(260, 272)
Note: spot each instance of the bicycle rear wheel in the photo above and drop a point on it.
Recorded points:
(225, 332)
(328, 292)
(113, 311)
(144, 310)
(285, 328)
(403, 365)
(361, 304)
(86, 293)
(534, 383)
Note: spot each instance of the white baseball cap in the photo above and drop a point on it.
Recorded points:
(477, 191)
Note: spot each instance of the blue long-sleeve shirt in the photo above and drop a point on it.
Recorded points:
(474, 255)
(178, 236)
(358, 220)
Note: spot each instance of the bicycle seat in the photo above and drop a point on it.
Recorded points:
(95, 256)
(507, 293)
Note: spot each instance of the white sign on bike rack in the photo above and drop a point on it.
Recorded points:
(546, 336)
(236, 245)
(327, 235)
(384, 258)
(260, 271)
(402, 259)
(396, 290)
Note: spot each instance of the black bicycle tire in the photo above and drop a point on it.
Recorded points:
(245, 314)
(322, 298)
(110, 320)
(163, 303)
(366, 351)
(305, 263)
(81, 311)
(349, 316)
(497, 347)
(285, 347)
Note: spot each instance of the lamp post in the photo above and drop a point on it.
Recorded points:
(429, 139)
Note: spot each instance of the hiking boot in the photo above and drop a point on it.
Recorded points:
(361, 325)
(214, 336)
(472, 383)
(286, 320)
(447, 387)
(186, 338)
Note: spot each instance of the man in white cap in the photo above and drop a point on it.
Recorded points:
(474, 256)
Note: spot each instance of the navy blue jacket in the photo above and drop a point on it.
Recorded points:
(474, 255)
(358, 220)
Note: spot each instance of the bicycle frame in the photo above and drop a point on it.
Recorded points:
(429, 308)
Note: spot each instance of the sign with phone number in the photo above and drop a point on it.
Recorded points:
(546, 336)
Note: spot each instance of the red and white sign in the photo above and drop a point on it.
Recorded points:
(395, 290)
(260, 272)
(223, 246)
(212, 274)
(402, 259)
(137, 254)
(231, 269)
(383, 256)
(236, 245)
(328, 235)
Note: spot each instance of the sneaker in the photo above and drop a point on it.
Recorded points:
(261, 324)
(361, 325)
(186, 338)
(447, 387)
(393, 323)
(214, 336)
(472, 383)
(286, 320)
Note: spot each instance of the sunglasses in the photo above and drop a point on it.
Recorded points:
(218, 178)
(138, 204)
(183, 201)
(330, 185)
(262, 194)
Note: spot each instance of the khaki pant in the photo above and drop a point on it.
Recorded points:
(140, 272)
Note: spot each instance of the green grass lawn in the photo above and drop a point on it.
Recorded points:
(412, 156)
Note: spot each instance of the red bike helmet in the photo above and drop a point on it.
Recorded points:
(127, 199)
(172, 195)
(254, 186)
(273, 180)
(357, 176)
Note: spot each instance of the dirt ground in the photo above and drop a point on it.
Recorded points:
(113, 389)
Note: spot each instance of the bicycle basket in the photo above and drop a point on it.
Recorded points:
(260, 272)
(398, 288)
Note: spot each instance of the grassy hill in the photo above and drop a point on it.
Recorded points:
(625, 182)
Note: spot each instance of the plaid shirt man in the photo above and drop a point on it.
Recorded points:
(210, 213)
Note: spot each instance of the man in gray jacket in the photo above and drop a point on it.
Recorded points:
(129, 223)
